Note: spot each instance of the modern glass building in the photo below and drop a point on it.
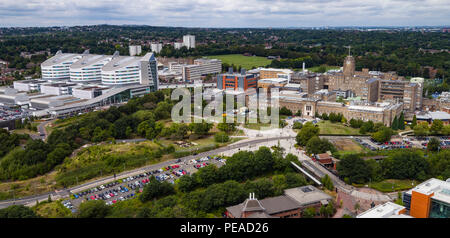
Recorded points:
(430, 199)
(88, 68)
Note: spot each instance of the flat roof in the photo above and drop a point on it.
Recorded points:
(437, 115)
(307, 195)
(386, 210)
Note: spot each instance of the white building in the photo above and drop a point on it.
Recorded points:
(123, 70)
(386, 210)
(177, 45)
(189, 41)
(156, 47)
(58, 66)
(88, 68)
(201, 67)
(135, 50)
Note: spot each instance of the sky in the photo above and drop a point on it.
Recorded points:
(225, 13)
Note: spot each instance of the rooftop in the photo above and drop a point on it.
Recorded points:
(386, 210)
(89, 60)
(60, 58)
(307, 195)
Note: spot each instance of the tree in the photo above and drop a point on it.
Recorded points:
(414, 121)
(187, 183)
(353, 169)
(316, 145)
(17, 211)
(221, 137)
(309, 212)
(308, 131)
(434, 144)
(297, 125)
(401, 122)
(436, 127)
(394, 125)
(156, 189)
(383, 135)
(285, 111)
(327, 183)
(93, 209)
(367, 127)
(421, 129)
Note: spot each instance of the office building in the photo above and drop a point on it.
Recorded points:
(189, 41)
(135, 50)
(194, 72)
(237, 81)
(430, 199)
(268, 73)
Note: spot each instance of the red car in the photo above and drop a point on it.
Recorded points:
(114, 201)
(93, 197)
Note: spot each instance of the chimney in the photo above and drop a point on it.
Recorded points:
(303, 66)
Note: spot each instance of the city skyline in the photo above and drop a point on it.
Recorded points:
(214, 13)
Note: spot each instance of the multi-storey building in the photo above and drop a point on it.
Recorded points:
(88, 68)
(177, 45)
(135, 50)
(430, 199)
(268, 73)
(189, 41)
(156, 47)
(58, 66)
(201, 67)
(123, 70)
(236, 81)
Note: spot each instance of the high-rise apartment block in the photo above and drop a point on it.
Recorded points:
(156, 47)
(189, 41)
(135, 50)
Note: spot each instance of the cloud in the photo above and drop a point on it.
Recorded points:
(225, 13)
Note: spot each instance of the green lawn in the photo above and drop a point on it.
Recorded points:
(247, 62)
(398, 185)
(316, 68)
(326, 127)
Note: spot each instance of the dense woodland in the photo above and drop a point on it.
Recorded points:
(399, 51)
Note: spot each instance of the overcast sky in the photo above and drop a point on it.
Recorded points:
(225, 13)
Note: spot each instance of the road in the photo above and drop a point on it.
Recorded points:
(31, 200)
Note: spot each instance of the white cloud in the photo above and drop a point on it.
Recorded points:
(225, 13)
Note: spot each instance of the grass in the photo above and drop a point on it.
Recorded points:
(398, 185)
(327, 127)
(38, 185)
(258, 126)
(348, 146)
(247, 62)
(53, 209)
(327, 67)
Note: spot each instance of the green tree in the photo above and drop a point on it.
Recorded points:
(221, 137)
(383, 135)
(394, 125)
(309, 212)
(436, 127)
(307, 132)
(17, 211)
(93, 209)
(401, 121)
(434, 144)
(327, 183)
(414, 122)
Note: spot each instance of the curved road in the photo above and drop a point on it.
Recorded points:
(97, 182)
